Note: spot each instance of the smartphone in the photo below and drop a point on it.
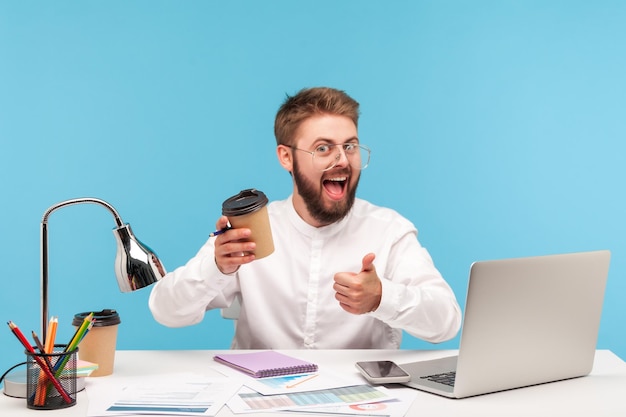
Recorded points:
(382, 372)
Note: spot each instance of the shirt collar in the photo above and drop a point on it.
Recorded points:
(312, 231)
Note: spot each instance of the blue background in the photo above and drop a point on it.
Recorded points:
(497, 127)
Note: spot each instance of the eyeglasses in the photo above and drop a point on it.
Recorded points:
(327, 156)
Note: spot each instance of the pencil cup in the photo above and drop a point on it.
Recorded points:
(249, 209)
(42, 393)
(98, 346)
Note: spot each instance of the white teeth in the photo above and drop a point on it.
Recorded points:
(338, 179)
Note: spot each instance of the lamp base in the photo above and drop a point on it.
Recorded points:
(15, 384)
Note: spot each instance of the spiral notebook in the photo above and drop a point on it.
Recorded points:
(266, 363)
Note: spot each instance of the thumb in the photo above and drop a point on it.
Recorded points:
(368, 262)
(222, 223)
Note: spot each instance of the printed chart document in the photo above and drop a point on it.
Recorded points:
(391, 408)
(249, 401)
(170, 394)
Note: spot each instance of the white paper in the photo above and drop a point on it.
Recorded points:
(391, 408)
(168, 394)
(249, 401)
(285, 384)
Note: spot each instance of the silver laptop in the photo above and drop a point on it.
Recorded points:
(527, 321)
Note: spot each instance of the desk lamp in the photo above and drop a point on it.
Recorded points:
(136, 265)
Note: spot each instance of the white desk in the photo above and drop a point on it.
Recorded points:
(602, 393)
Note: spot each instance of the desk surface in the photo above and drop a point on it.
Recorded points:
(602, 393)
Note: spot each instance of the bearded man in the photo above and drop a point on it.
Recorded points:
(344, 273)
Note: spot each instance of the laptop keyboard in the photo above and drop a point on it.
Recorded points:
(446, 378)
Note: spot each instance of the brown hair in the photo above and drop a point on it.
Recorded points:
(309, 102)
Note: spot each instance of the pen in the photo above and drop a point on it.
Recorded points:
(20, 336)
(219, 232)
(301, 381)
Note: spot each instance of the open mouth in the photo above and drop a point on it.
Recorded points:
(335, 186)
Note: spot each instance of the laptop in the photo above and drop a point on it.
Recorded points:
(527, 321)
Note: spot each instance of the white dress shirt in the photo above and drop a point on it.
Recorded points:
(288, 301)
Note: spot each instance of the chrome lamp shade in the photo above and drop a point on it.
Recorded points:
(136, 265)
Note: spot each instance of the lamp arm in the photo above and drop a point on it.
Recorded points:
(73, 201)
(137, 266)
(44, 248)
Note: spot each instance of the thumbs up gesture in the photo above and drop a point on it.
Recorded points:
(359, 293)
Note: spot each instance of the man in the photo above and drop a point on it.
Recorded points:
(344, 273)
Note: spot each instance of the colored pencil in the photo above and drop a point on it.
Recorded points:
(38, 342)
(20, 336)
(76, 339)
(51, 336)
(42, 389)
(80, 332)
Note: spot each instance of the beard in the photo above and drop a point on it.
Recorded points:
(313, 198)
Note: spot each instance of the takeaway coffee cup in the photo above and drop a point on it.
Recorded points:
(249, 209)
(98, 346)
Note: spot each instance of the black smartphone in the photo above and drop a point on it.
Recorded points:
(382, 372)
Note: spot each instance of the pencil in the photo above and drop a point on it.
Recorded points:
(41, 348)
(78, 336)
(40, 395)
(52, 332)
(42, 389)
(84, 328)
(20, 336)
(79, 333)
(38, 342)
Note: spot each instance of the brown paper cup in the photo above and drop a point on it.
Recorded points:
(249, 209)
(99, 345)
(259, 224)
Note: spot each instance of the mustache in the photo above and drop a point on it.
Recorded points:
(342, 171)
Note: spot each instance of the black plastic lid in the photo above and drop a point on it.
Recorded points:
(106, 317)
(247, 201)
